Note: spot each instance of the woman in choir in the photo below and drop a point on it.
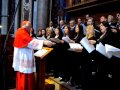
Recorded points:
(39, 33)
(60, 56)
(56, 64)
(66, 61)
(52, 65)
(58, 33)
(57, 54)
(67, 31)
(106, 36)
(67, 34)
(78, 33)
(43, 33)
(32, 34)
(87, 62)
(77, 60)
(49, 33)
(106, 67)
(90, 33)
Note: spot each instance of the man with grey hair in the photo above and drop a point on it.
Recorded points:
(23, 59)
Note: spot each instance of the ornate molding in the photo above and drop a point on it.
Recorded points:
(27, 6)
(26, 10)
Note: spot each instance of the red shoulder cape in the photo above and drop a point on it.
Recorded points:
(22, 38)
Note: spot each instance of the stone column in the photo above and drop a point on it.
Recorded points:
(35, 17)
(43, 13)
(26, 10)
(4, 17)
(17, 17)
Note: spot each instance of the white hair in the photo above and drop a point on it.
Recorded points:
(26, 25)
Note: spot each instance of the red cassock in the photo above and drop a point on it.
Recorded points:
(25, 81)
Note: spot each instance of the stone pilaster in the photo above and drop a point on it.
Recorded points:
(43, 11)
(17, 16)
(4, 17)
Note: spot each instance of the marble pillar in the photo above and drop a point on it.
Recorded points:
(43, 13)
(4, 17)
(35, 17)
(17, 16)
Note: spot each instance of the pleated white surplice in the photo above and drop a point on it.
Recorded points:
(23, 59)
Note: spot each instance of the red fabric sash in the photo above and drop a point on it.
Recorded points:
(22, 38)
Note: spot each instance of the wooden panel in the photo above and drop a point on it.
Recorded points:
(69, 3)
(7, 67)
(96, 9)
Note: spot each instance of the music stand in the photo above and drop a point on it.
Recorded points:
(41, 69)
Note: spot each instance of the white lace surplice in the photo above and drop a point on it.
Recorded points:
(23, 60)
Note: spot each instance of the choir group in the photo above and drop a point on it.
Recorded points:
(89, 71)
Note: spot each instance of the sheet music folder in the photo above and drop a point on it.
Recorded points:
(43, 52)
(56, 40)
(76, 47)
(85, 43)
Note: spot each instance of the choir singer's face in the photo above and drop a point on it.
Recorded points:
(66, 30)
(79, 21)
(77, 29)
(43, 32)
(39, 32)
(119, 17)
(89, 22)
(110, 18)
(61, 22)
(103, 29)
(57, 31)
(102, 19)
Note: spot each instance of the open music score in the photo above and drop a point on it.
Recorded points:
(75, 47)
(43, 52)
